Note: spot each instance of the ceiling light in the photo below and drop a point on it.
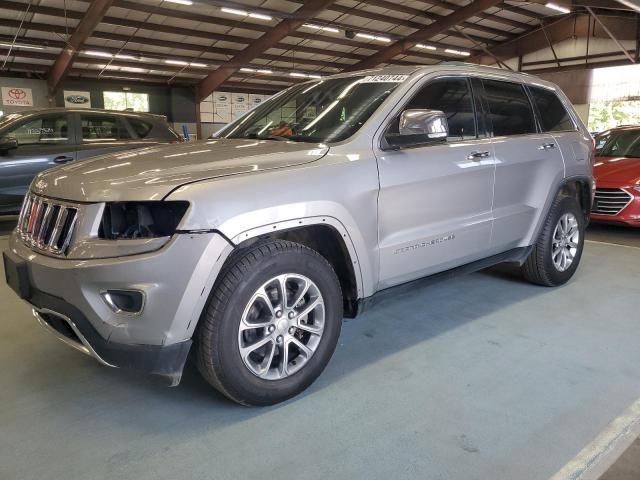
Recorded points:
(126, 57)
(558, 8)
(368, 36)
(96, 53)
(177, 62)
(235, 11)
(180, 2)
(426, 47)
(196, 64)
(304, 75)
(250, 70)
(457, 52)
(260, 16)
(320, 27)
(21, 45)
(267, 72)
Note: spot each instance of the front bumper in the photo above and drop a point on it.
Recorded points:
(67, 296)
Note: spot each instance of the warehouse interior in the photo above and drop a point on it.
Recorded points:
(480, 376)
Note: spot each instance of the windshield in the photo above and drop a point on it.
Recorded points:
(318, 112)
(625, 143)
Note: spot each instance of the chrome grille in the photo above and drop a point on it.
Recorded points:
(610, 201)
(46, 225)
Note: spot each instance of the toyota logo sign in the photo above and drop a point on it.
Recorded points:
(17, 93)
(17, 96)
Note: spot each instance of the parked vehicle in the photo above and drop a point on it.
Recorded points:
(617, 175)
(254, 246)
(35, 140)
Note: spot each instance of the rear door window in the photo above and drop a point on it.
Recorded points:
(553, 115)
(96, 128)
(510, 110)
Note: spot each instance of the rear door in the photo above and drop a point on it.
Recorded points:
(528, 163)
(44, 141)
(434, 207)
(554, 119)
(102, 133)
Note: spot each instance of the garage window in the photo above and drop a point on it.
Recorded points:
(137, 102)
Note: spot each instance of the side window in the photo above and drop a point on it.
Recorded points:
(553, 115)
(141, 127)
(453, 97)
(47, 130)
(510, 111)
(102, 127)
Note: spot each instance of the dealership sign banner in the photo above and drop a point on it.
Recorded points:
(17, 97)
(77, 99)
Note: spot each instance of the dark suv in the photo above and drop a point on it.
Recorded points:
(35, 140)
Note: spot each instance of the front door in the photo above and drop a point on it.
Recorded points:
(435, 200)
(43, 142)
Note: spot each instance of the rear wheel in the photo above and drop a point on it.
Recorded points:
(272, 323)
(556, 255)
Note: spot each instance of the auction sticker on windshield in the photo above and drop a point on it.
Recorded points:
(384, 79)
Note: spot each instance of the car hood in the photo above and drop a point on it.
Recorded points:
(152, 173)
(620, 171)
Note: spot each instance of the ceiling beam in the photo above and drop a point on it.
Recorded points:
(494, 17)
(429, 31)
(92, 17)
(257, 47)
(564, 28)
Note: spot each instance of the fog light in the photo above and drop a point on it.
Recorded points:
(124, 301)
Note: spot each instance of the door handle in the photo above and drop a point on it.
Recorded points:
(547, 146)
(477, 155)
(62, 159)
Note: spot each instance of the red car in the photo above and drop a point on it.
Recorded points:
(617, 175)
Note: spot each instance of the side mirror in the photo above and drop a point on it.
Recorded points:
(8, 143)
(420, 127)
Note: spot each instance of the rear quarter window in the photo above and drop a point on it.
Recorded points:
(141, 127)
(553, 115)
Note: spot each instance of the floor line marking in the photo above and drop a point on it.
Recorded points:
(618, 435)
(611, 244)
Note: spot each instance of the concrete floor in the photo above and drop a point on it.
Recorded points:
(481, 377)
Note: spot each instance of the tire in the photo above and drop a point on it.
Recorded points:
(540, 268)
(235, 299)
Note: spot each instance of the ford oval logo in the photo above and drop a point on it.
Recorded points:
(222, 98)
(77, 99)
(240, 99)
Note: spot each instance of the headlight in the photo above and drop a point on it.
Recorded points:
(140, 220)
(637, 189)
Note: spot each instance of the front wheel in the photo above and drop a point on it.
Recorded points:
(557, 253)
(272, 323)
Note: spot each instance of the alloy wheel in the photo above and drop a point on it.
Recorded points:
(565, 242)
(281, 326)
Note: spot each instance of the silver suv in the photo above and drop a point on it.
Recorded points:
(254, 245)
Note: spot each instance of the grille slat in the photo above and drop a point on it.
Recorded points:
(611, 201)
(46, 224)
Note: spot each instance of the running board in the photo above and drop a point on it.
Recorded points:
(516, 255)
